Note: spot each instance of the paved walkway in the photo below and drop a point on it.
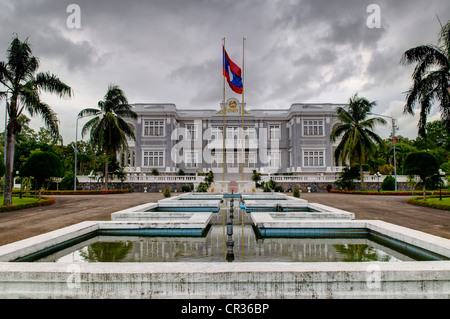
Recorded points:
(70, 209)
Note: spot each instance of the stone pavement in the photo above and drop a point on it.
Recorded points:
(72, 209)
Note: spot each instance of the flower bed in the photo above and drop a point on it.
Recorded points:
(91, 192)
(38, 203)
(433, 204)
(401, 193)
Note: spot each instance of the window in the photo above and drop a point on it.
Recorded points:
(216, 159)
(274, 132)
(274, 159)
(233, 132)
(232, 159)
(153, 127)
(216, 133)
(250, 159)
(250, 133)
(191, 159)
(193, 130)
(313, 127)
(154, 158)
(313, 158)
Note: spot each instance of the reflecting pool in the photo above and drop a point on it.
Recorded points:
(214, 247)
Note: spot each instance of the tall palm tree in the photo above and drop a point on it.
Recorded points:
(431, 79)
(358, 140)
(108, 129)
(23, 85)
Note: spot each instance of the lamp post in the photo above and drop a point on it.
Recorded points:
(441, 174)
(394, 128)
(378, 174)
(76, 152)
(79, 116)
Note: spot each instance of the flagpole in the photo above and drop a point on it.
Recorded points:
(242, 109)
(223, 111)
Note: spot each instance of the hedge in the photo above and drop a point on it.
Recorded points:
(44, 201)
(87, 192)
(420, 202)
(398, 193)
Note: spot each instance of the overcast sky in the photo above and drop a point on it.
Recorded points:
(169, 51)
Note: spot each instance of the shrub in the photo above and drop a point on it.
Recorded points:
(296, 192)
(155, 171)
(420, 202)
(166, 192)
(67, 182)
(278, 188)
(202, 187)
(185, 188)
(44, 201)
(346, 177)
(329, 187)
(388, 183)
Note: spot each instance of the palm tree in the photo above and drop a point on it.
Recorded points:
(23, 86)
(431, 79)
(358, 140)
(108, 129)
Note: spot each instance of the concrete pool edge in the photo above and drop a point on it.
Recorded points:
(226, 280)
(418, 279)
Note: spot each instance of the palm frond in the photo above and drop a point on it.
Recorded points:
(89, 125)
(89, 112)
(52, 84)
(50, 119)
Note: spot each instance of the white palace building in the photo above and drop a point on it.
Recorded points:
(288, 145)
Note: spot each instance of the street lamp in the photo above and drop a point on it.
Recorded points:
(76, 152)
(79, 116)
(378, 174)
(441, 174)
(394, 128)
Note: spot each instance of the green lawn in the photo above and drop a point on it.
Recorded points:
(444, 201)
(17, 200)
(432, 202)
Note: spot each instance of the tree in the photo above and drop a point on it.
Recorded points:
(388, 183)
(108, 129)
(346, 177)
(42, 166)
(358, 140)
(23, 86)
(422, 164)
(431, 79)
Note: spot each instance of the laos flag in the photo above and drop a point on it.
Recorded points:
(232, 72)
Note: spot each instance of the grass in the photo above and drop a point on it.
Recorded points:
(444, 201)
(19, 201)
(432, 202)
(25, 202)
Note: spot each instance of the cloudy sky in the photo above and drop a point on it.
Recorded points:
(169, 51)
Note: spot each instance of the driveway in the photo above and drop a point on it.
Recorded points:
(70, 209)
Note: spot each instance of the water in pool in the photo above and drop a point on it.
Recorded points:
(213, 248)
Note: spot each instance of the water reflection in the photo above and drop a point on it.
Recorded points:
(211, 249)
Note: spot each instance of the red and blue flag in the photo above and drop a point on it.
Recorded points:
(232, 73)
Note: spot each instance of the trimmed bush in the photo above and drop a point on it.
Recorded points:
(420, 202)
(388, 183)
(44, 201)
(296, 192)
(166, 192)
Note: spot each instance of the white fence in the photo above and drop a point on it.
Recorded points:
(298, 178)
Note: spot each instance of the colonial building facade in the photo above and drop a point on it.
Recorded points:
(292, 140)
